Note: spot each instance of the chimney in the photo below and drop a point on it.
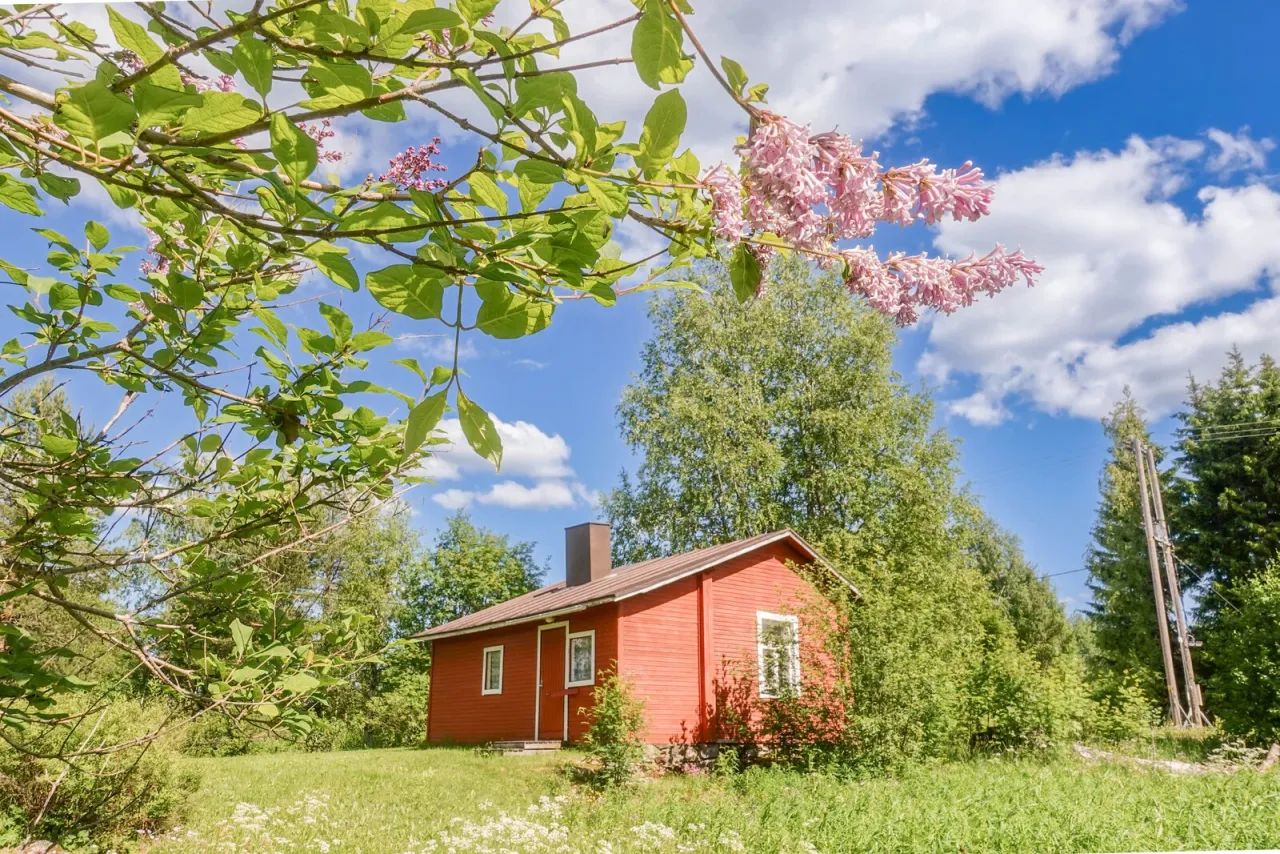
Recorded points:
(586, 553)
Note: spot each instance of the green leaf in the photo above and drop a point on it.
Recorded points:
(422, 420)
(240, 635)
(93, 112)
(57, 186)
(407, 289)
(63, 296)
(252, 57)
(432, 20)
(535, 180)
(295, 151)
(300, 683)
(18, 195)
(162, 107)
(611, 197)
(474, 10)
(657, 47)
(186, 292)
(487, 192)
(339, 324)
(744, 272)
(97, 235)
(383, 217)
(221, 112)
(332, 261)
(495, 107)
(509, 315)
(369, 340)
(124, 293)
(663, 125)
(735, 73)
(133, 36)
(334, 84)
(59, 446)
(412, 364)
(481, 432)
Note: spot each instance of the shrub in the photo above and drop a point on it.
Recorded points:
(615, 738)
(1242, 687)
(104, 798)
(398, 717)
(1018, 704)
(1124, 714)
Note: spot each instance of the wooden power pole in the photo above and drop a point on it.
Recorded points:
(1176, 713)
(1195, 714)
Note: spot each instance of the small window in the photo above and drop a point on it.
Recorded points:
(778, 646)
(491, 679)
(582, 659)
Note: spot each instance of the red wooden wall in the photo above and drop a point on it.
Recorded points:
(679, 642)
(458, 713)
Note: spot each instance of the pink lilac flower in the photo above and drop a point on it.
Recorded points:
(783, 186)
(407, 168)
(223, 82)
(901, 284)
(320, 133)
(130, 62)
(725, 188)
(156, 263)
(856, 202)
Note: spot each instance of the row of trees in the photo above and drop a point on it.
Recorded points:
(1222, 496)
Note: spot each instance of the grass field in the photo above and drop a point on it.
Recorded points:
(442, 800)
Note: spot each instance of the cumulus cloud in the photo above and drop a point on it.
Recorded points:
(1238, 152)
(527, 452)
(1124, 262)
(864, 64)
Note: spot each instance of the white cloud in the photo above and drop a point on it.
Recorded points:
(531, 364)
(544, 495)
(1238, 152)
(1123, 262)
(863, 65)
(526, 452)
(439, 347)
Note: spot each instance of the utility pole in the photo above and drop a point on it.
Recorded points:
(1195, 714)
(1162, 615)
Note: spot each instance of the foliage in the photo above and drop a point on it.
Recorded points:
(1122, 714)
(785, 413)
(615, 737)
(789, 414)
(1029, 601)
(466, 570)
(1243, 688)
(1122, 612)
(106, 795)
(1226, 515)
(373, 802)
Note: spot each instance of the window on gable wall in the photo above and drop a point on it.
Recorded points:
(582, 659)
(778, 649)
(491, 677)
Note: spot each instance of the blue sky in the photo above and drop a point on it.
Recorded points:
(1131, 145)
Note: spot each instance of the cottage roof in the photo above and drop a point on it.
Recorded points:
(621, 583)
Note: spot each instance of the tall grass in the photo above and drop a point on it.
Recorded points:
(440, 800)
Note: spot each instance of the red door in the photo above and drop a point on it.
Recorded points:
(551, 691)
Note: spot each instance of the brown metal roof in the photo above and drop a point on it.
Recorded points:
(622, 582)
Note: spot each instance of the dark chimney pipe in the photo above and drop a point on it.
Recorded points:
(586, 553)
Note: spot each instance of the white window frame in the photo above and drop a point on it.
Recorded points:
(485, 690)
(568, 659)
(761, 616)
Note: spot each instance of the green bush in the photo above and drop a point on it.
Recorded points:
(1124, 714)
(615, 738)
(1242, 685)
(1016, 703)
(101, 798)
(398, 717)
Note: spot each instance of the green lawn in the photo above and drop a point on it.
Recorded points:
(440, 800)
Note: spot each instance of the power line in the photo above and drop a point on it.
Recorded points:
(1234, 425)
(1210, 585)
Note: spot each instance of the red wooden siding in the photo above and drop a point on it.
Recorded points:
(681, 641)
(458, 713)
(660, 657)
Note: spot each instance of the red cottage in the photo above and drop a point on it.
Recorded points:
(524, 669)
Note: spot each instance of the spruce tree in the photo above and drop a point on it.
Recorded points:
(1227, 513)
(1122, 613)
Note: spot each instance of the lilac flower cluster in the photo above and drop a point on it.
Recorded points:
(813, 191)
(155, 263)
(407, 168)
(222, 83)
(319, 133)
